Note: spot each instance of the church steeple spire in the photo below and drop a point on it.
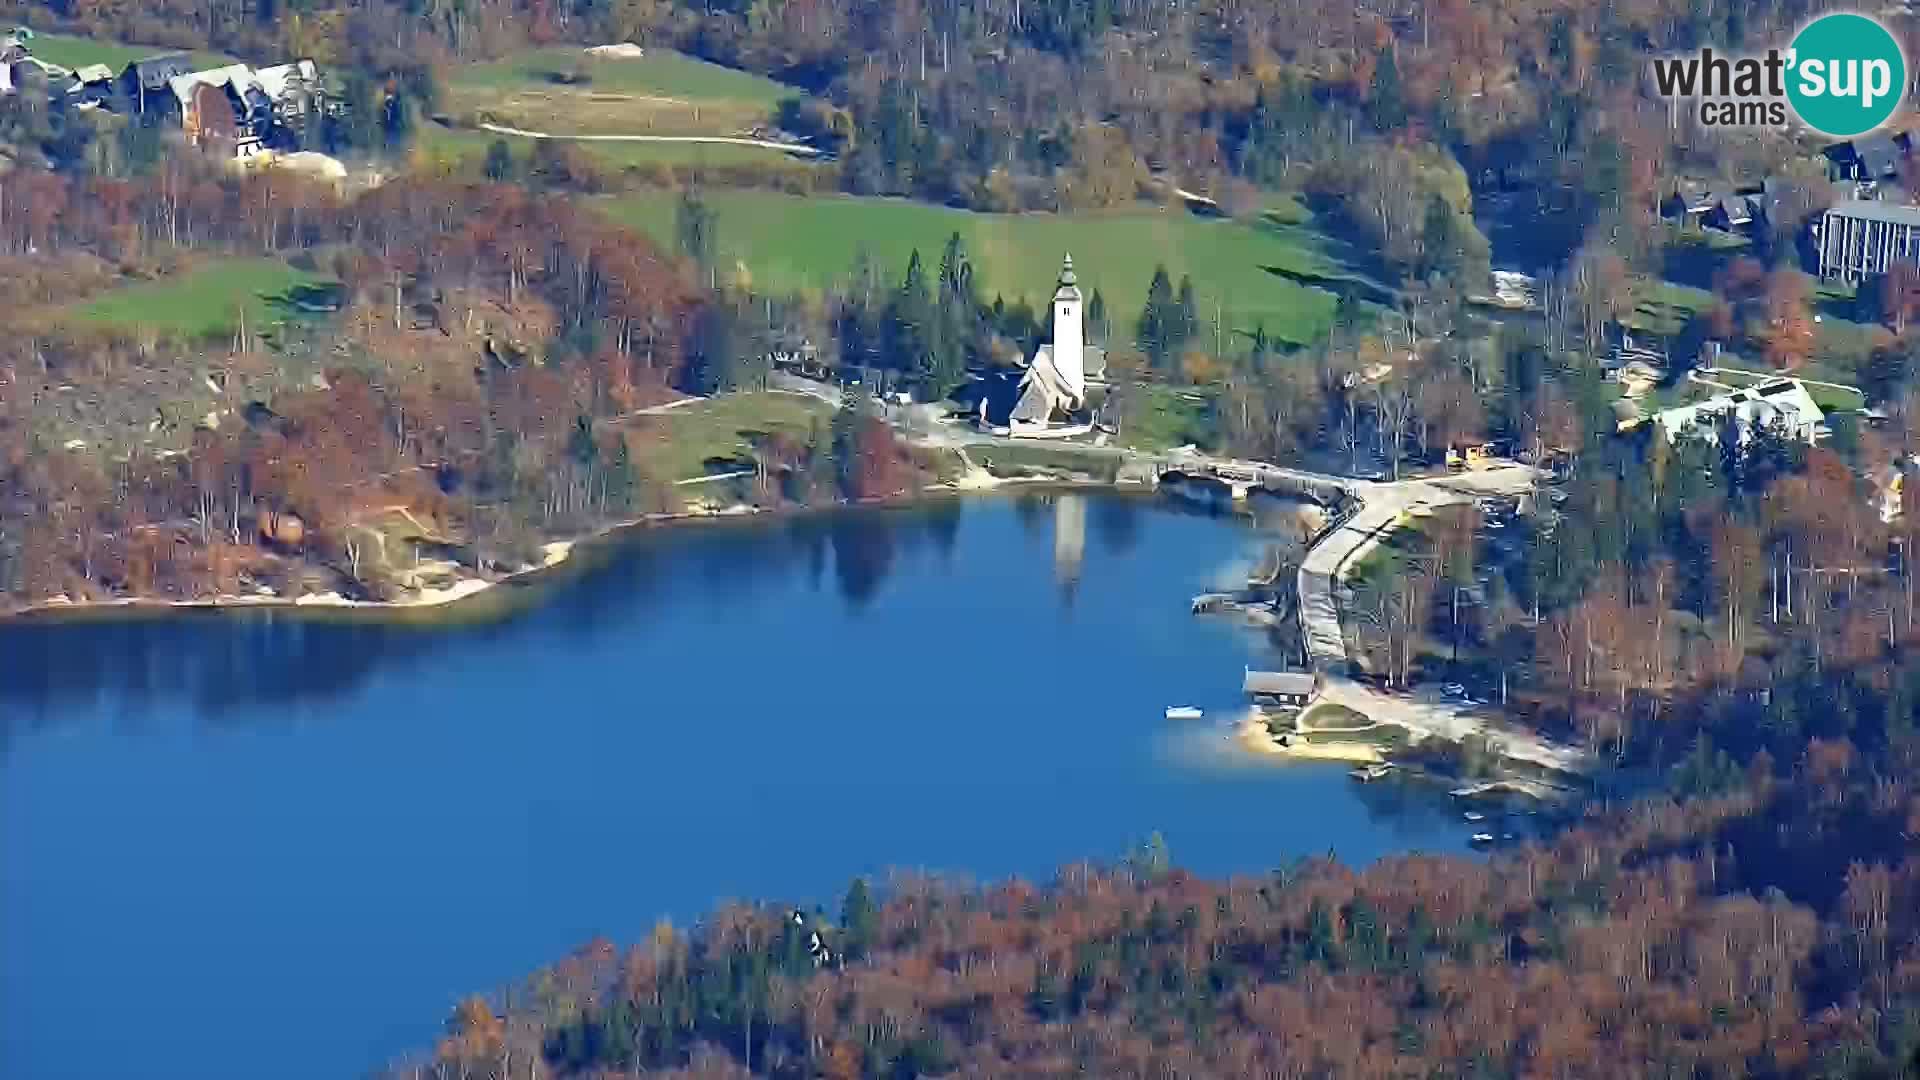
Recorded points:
(1066, 271)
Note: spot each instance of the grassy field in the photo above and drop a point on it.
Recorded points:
(1168, 417)
(1249, 273)
(718, 435)
(1381, 737)
(1664, 307)
(201, 302)
(1326, 716)
(566, 91)
(69, 51)
(1041, 458)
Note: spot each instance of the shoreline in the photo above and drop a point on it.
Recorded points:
(1251, 733)
(555, 554)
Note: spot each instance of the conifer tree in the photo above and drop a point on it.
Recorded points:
(1098, 329)
(1186, 321)
(1157, 319)
(909, 321)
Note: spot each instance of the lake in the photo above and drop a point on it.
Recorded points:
(253, 843)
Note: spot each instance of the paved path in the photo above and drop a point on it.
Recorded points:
(727, 140)
(1382, 507)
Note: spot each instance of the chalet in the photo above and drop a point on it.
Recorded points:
(1293, 688)
(250, 109)
(219, 106)
(1688, 201)
(1729, 209)
(90, 86)
(1730, 212)
(144, 82)
(1869, 157)
(295, 96)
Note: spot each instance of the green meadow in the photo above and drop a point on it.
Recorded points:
(661, 72)
(70, 51)
(720, 432)
(202, 301)
(1250, 274)
(567, 91)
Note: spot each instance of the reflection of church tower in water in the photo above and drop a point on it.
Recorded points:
(1069, 537)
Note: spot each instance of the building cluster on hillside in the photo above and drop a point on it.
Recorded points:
(234, 108)
(1735, 209)
(1865, 234)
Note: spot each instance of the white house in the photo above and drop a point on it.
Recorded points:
(1782, 406)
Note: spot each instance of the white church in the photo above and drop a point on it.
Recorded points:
(1053, 393)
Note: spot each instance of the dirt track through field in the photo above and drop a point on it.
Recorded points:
(728, 140)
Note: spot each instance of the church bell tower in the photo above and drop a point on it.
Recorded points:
(1068, 342)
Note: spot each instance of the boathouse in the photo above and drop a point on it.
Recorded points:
(1295, 688)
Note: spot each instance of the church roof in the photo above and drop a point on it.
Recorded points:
(1044, 391)
(1035, 405)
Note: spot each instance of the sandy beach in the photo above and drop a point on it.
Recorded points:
(552, 554)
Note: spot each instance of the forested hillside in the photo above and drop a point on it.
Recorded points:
(1651, 941)
(1055, 102)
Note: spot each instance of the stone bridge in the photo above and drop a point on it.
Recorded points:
(1243, 478)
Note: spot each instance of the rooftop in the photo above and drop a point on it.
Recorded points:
(1279, 682)
(1875, 210)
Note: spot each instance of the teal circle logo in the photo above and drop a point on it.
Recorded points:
(1845, 75)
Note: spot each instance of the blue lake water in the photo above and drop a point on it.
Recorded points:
(248, 844)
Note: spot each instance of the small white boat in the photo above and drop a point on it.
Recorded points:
(1482, 838)
(1183, 712)
(1474, 815)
